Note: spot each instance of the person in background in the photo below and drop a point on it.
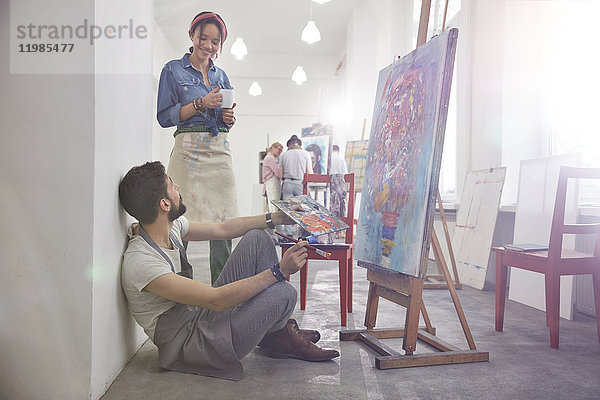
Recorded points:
(201, 161)
(294, 162)
(338, 188)
(271, 175)
(198, 328)
(338, 163)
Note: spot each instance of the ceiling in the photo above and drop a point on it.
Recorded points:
(267, 26)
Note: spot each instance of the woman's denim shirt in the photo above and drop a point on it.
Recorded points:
(180, 84)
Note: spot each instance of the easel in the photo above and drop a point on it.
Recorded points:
(407, 291)
(438, 281)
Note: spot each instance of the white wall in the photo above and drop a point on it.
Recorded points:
(66, 141)
(123, 138)
(47, 170)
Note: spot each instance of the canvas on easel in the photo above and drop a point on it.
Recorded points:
(404, 157)
(398, 204)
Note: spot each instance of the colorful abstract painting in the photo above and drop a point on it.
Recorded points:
(404, 157)
(356, 159)
(311, 216)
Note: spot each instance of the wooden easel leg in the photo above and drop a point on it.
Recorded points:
(428, 327)
(372, 304)
(454, 295)
(457, 283)
(412, 316)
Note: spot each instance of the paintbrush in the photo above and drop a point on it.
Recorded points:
(320, 252)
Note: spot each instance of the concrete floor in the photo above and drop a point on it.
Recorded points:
(522, 365)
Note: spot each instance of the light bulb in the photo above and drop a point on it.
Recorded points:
(239, 49)
(311, 33)
(299, 76)
(255, 89)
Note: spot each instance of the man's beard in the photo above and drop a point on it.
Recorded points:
(175, 213)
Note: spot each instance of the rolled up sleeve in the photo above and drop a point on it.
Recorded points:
(168, 105)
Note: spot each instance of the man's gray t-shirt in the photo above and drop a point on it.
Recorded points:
(141, 265)
(295, 163)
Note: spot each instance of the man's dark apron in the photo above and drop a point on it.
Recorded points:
(194, 339)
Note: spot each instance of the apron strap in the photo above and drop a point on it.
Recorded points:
(186, 267)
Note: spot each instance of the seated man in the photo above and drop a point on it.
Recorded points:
(198, 328)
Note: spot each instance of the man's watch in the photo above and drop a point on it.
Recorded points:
(270, 223)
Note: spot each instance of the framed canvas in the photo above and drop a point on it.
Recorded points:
(356, 159)
(404, 157)
(318, 147)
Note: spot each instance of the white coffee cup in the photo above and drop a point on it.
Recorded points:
(228, 95)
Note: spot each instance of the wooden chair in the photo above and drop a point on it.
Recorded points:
(342, 252)
(556, 261)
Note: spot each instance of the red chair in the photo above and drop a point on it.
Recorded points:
(342, 252)
(556, 261)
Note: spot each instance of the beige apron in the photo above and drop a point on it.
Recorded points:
(273, 192)
(201, 165)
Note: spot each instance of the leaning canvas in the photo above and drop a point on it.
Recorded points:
(404, 157)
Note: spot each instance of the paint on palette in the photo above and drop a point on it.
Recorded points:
(404, 157)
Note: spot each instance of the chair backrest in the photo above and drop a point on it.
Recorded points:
(559, 228)
(349, 218)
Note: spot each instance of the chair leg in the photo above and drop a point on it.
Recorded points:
(343, 268)
(553, 307)
(596, 278)
(501, 275)
(303, 280)
(350, 278)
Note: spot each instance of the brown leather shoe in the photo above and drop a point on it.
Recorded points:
(289, 343)
(311, 334)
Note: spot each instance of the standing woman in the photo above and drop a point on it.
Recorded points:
(201, 162)
(272, 174)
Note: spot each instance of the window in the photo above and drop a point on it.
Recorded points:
(573, 82)
(447, 182)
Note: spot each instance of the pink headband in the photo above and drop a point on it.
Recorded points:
(206, 16)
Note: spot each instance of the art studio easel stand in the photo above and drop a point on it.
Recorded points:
(439, 281)
(407, 291)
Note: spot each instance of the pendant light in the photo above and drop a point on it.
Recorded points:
(321, 1)
(239, 49)
(310, 33)
(255, 89)
(299, 76)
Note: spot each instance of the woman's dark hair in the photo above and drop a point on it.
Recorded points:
(141, 189)
(215, 20)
